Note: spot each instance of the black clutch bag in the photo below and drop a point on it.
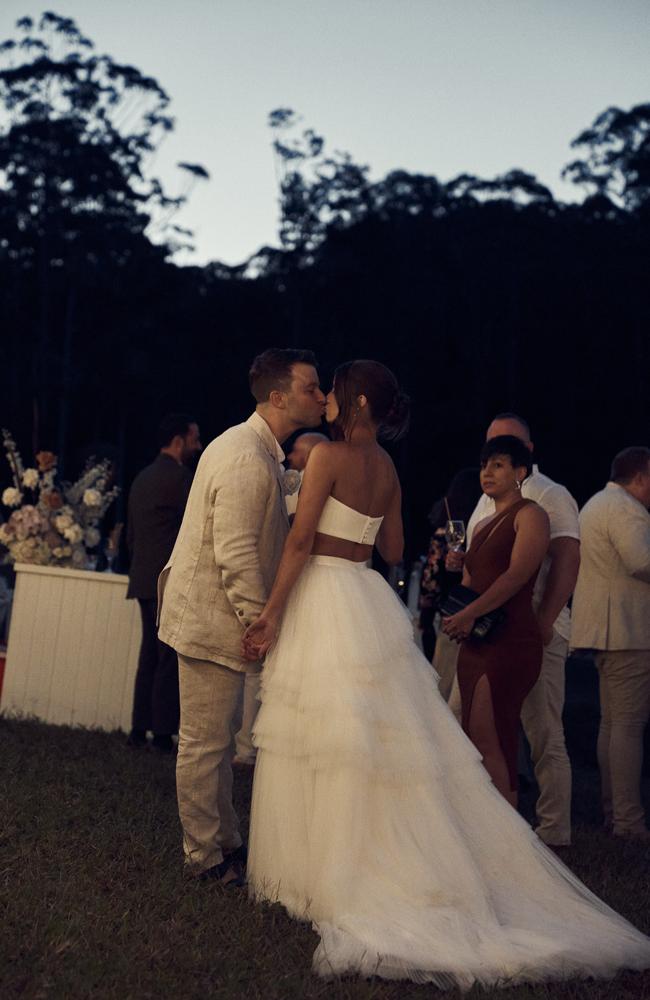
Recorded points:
(457, 600)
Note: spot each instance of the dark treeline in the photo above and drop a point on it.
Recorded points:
(481, 295)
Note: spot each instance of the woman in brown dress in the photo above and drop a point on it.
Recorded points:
(496, 673)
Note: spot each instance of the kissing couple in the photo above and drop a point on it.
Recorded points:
(372, 814)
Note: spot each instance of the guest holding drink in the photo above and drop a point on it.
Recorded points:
(496, 673)
(437, 580)
(432, 588)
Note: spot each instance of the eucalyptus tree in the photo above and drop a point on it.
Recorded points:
(615, 160)
(318, 191)
(78, 201)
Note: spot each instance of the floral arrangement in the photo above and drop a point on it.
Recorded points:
(52, 524)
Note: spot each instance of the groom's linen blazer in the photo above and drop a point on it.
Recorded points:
(611, 603)
(228, 549)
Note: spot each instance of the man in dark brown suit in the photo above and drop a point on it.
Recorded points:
(155, 511)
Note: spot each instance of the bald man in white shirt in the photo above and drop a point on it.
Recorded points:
(297, 460)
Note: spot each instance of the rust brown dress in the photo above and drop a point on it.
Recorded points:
(511, 655)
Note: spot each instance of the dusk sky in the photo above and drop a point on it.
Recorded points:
(434, 86)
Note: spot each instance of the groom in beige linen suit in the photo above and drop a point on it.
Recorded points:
(216, 582)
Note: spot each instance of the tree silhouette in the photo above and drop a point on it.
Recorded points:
(616, 163)
(76, 197)
(317, 192)
(482, 294)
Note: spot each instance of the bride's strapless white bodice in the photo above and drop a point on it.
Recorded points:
(341, 521)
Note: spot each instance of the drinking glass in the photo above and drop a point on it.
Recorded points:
(109, 553)
(455, 535)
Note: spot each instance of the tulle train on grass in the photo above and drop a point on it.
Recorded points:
(374, 818)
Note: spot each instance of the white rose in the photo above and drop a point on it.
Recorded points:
(78, 557)
(291, 481)
(11, 497)
(92, 537)
(30, 478)
(62, 522)
(73, 534)
(6, 534)
(92, 498)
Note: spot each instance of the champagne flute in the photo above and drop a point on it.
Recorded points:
(455, 535)
(109, 552)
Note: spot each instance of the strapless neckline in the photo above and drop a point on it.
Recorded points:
(355, 511)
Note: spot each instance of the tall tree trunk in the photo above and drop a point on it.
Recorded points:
(66, 376)
(40, 357)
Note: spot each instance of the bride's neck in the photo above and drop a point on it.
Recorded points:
(362, 435)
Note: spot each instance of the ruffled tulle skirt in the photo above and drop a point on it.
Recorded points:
(374, 818)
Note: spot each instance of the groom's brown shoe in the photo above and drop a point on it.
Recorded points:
(231, 871)
(240, 854)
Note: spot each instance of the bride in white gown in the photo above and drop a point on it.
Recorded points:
(372, 814)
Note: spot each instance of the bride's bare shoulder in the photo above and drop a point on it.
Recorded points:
(327, 451)
(387, 461)
(324, 455)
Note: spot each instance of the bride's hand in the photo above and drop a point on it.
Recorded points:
(259, 637)
(458, 626)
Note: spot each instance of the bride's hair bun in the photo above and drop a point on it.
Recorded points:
(389, 406)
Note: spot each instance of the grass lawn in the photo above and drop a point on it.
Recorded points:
(94, 901)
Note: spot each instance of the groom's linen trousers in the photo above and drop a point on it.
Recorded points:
(210, 697)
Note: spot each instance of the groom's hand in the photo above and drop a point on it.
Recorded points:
(249, 649)
(258, 638)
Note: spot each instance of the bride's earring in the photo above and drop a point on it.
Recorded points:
(517, 484)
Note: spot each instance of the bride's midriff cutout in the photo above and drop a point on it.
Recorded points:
(327, 545)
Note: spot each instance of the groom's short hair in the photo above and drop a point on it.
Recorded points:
(272, 370)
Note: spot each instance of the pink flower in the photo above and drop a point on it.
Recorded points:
(46, 460)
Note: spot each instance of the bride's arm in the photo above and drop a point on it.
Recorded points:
(316, 486)
(390, 538)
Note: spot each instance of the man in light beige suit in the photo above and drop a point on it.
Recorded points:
(611, 614)
(217, 582)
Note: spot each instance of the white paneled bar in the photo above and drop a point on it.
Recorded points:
(73, 648)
